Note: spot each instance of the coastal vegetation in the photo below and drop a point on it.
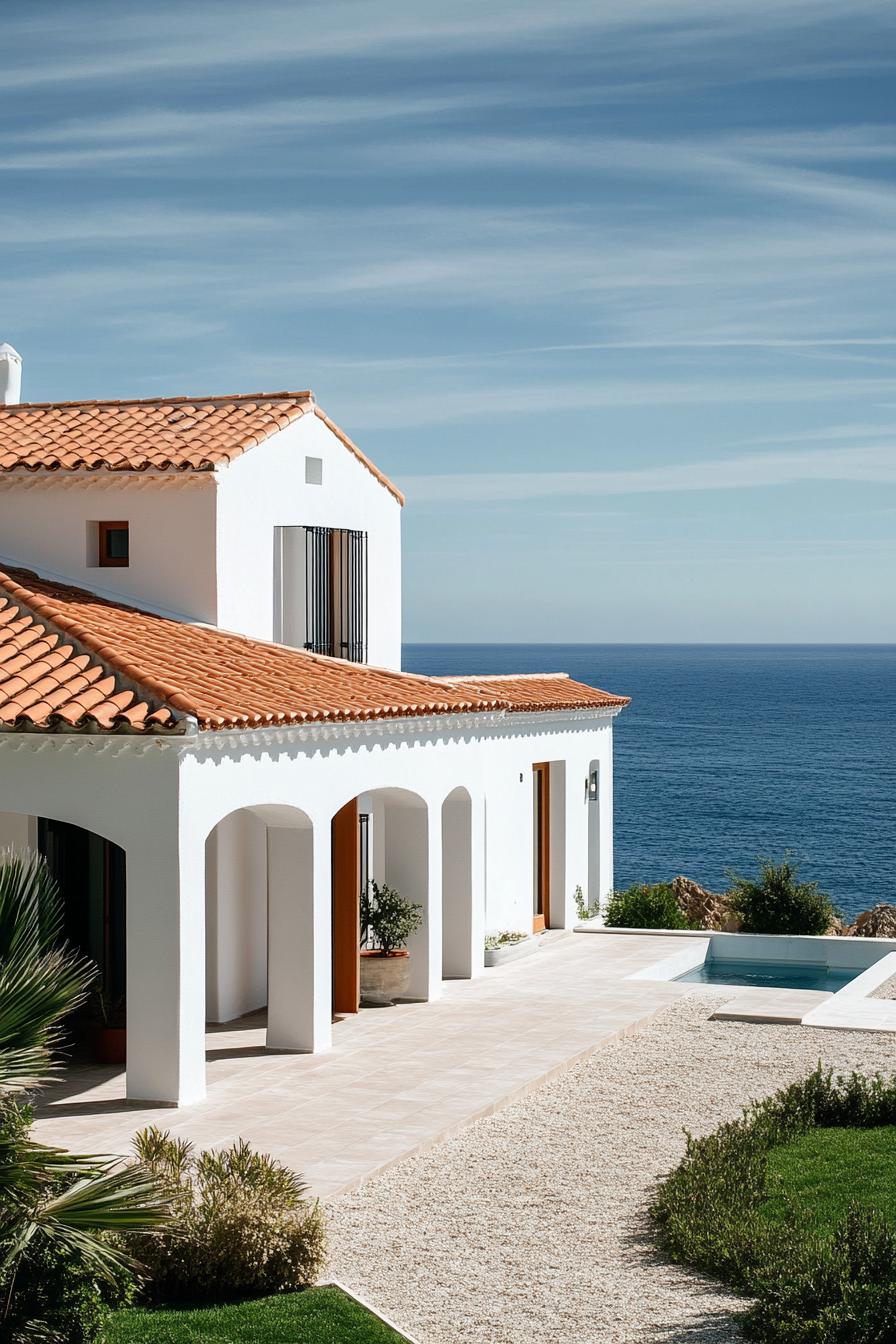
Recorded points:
(774, 901)
(782, 1205)
(647, 907)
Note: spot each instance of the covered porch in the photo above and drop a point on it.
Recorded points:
(233, 866)
(394, 1081)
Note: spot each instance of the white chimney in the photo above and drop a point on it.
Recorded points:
(10, 375)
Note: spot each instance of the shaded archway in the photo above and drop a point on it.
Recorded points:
(264, 909)
(386, 835)
(90, 871)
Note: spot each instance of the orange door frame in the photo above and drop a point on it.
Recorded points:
(346, 871)
(541, 778)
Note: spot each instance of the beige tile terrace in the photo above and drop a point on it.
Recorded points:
(397, 1080)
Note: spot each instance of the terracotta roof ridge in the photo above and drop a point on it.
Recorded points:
(185, 400)
(361, 456)
(508, 676)
(396, 673)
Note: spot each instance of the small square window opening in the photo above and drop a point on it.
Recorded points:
(113, 545)
(314, 470)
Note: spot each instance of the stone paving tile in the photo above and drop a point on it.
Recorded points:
(397, 1080)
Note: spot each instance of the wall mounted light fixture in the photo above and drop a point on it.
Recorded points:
(592, 787)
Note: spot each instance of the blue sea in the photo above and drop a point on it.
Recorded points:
(731, 751)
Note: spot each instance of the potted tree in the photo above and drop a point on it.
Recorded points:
(108, 1035)
(387, 922)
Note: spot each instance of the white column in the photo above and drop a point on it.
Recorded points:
(463, 887)
(299, 947)
(166, 966)
(413, 866)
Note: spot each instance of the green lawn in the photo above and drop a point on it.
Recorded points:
(318, 1316)
(826, 1170)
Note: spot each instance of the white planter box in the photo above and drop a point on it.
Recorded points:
(496, 956)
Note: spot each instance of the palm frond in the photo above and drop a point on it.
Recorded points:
(105, 1196)
(35, 992)
(48, 1197)
(31, 914)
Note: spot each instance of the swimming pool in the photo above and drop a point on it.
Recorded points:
(770, 974)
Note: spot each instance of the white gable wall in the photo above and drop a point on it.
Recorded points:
(266, 489)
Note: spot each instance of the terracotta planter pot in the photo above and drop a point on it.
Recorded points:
(109, 1044)
(384, 979)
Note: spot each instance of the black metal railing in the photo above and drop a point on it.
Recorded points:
(336, 592)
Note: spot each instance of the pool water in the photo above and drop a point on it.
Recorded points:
(769, 974)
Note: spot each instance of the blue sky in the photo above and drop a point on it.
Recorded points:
(607, 288)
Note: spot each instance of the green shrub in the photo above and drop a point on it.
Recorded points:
(777, 902)
(646, 907)
(810, 1288)
(585, 909)
(63, 1296)
(387, 919)
(243, 1225)
(838, 1291)
(506, 939)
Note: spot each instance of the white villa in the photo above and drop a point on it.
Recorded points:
(204, 724)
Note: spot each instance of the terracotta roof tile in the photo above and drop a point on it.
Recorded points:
(47, 682)
(169, 434)
(541, 691)
(69, 657)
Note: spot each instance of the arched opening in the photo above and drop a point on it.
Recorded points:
(384, 835)
(462, 940)
(262, 925)
(91, 873)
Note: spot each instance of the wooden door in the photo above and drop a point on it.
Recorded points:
(541, 857)
(346, 910)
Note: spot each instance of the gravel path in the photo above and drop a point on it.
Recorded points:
(530, 1226)
(885, 991)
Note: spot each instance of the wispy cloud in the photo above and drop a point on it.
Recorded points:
(87, 47)
(876, 465)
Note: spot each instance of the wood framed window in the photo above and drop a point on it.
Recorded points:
(113, 545)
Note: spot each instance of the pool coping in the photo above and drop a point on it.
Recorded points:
(850, 1008)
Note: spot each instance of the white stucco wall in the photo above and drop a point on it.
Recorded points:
(266, 489)
(17, 831)
(45, 523)
(509, 822)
